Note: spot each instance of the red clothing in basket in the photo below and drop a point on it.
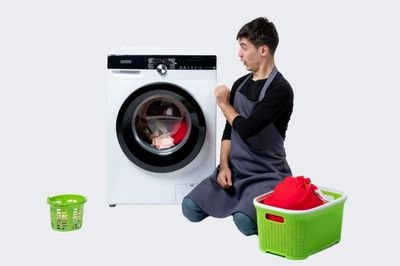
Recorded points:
(294, 193)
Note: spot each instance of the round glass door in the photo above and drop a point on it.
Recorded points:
(160, 127)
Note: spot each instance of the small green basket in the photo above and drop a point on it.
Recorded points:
(66, 212)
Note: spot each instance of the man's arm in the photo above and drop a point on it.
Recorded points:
(222, 95)
(271, 108)
(223, 98)
(225, 153)
(224, 178)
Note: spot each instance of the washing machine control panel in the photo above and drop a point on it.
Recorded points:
(156, 63)
(163, 62)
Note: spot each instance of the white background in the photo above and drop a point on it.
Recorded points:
(340, 57)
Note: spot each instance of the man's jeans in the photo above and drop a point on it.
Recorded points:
(195, 214)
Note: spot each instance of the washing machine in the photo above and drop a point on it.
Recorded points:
(161, 123)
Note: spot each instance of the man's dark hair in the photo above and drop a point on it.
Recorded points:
(260, 31)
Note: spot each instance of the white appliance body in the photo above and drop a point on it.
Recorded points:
(161, 124)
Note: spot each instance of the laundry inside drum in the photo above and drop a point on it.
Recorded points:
(162, 124)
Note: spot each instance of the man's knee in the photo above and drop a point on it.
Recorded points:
(245, 224)
(192, 211)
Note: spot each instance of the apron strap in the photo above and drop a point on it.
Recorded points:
(244, 82)
(267, 83)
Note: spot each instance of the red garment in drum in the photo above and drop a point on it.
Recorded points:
(181, 130)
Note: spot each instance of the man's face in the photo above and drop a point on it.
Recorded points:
(249, 55)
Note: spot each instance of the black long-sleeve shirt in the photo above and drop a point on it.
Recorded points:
(276, 107)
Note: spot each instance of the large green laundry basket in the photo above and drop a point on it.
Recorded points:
(298, 234)
(66, 212)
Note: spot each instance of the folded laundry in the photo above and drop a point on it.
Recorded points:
(295, 193)
(163, 142)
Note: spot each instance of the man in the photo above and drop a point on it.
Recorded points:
(257, 112)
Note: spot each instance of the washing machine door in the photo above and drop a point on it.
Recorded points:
(160, 127)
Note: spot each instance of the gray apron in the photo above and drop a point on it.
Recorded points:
(257, 164)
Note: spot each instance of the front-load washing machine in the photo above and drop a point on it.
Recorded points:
(161, 124)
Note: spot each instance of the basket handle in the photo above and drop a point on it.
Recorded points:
(274, 217)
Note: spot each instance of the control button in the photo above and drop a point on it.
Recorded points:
(162, 69)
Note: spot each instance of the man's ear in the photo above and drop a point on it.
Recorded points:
(264, 50)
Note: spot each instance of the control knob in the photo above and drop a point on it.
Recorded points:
(162, 69)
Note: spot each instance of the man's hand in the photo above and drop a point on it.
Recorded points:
(224, 178)
(222, 95)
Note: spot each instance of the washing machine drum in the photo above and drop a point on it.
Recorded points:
(160, 127)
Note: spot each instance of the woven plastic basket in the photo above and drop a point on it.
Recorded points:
(66, 212)
(298, 234)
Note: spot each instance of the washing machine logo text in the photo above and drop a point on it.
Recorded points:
(126, 61)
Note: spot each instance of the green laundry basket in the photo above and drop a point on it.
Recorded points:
(299, 234)
(66, 212)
